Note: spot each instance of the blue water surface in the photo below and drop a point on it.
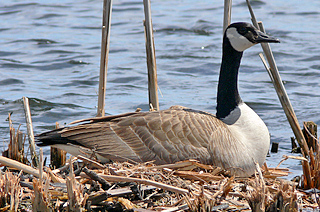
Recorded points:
(50, 52)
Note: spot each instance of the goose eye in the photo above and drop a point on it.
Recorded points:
(242, 30)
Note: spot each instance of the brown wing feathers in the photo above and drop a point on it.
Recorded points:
(163, 136)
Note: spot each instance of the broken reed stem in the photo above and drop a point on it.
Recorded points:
(283, 96)
(310, 133)
(94, 176)
(280, 89)
(253, 17)
(34, 157)
(263, 184)
(41, 166)
(92, 162)
(20, 166)
(10, 191)
(16, 145)
(76, 196)
(142, 181)
(105, 41)
(151, 58)
(41, 198)
(227, 14)
(57, 156)
(307, 181)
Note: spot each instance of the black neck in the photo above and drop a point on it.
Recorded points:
(228, 97)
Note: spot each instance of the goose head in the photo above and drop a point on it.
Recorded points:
(237, 38)
(242, 35)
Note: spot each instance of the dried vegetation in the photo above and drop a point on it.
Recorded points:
(86, 185)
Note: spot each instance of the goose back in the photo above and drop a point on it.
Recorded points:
(165, 136)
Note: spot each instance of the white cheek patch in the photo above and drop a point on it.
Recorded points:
(238, 42)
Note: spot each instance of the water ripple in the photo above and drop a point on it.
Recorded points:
(50, 15)
(10, 81)
(37, 41)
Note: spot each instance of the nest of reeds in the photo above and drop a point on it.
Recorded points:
(86, 185)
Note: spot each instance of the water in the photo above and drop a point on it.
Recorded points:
(50, 52)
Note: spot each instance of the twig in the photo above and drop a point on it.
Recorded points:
(151, 57)
(183, 165)
(63, 168)
(184, 207)
(105, 41)
(94, 163)
(27, 113)
(95, 176)
(143, 181)
(54, 177)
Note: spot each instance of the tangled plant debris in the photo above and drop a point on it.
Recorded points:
(86, 185)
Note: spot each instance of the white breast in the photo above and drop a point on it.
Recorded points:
(252, 137)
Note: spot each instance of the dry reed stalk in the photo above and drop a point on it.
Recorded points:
(16, 144)
(20, 166)
(270, 172)
(10, 191)
(40, 167)
(272, 198)
(311, 169)
(94, 176)
(209, 201)
(184, 207)
(284, 199)
(55, 178)
(310, 132)
(76, 197)
(151, 58)
(65, 167)
(127, 204)
(200, 203)
(57, 156)
(105, 43)
(186, 165)
(282, 94)
(197, 176)
(278, 85)
(34, 157)
(227, 14)
(316, 168)
(257, 197)
(92, 162)
(141, 181)
(41, 197)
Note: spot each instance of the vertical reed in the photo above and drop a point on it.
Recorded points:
(105, 41)
(280, 89)
(227, 14)
(16, 145)
(57, 156)
(151, 58)
(27, 113)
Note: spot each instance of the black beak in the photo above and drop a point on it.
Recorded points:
(264, 38)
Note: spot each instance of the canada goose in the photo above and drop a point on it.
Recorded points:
(234, 139)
